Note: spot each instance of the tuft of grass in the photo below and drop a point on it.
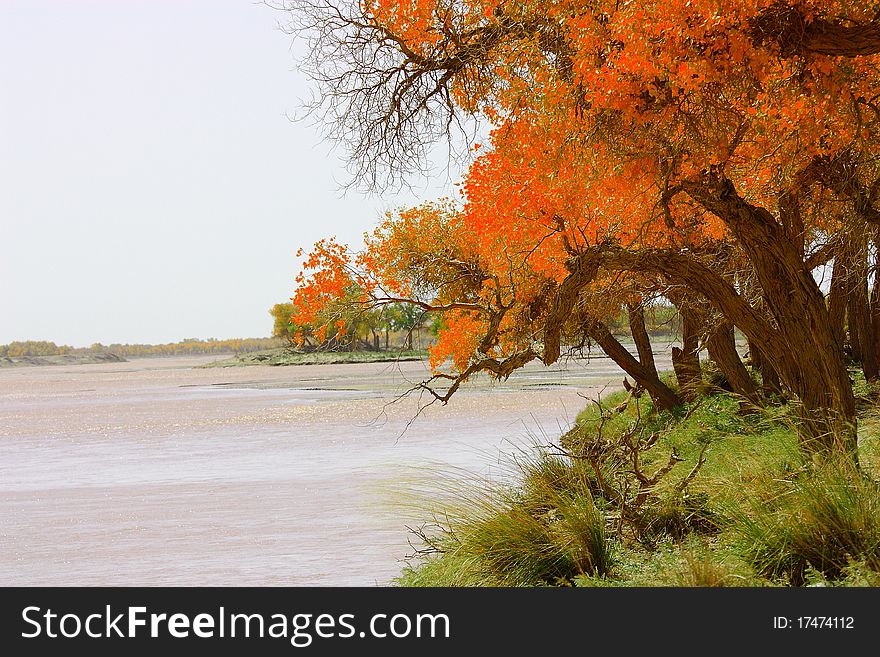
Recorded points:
(548, 476)
(523, 549)
(545, 531)
(700, 570)
(580, 530)
(823, 520)
(452, 570)
(675, 515)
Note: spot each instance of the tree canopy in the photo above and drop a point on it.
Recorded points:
(715, 154)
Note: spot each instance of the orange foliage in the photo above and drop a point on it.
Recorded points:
(596, 115)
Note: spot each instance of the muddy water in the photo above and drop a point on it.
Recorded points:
(157, 472)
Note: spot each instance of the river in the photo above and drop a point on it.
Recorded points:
(156, 472)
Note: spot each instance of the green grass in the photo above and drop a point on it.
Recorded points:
(752, 515)
(822, 521)
(546, 532)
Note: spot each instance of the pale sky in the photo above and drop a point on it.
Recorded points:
(152, 186)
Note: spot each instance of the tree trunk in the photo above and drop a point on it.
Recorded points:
(811, 363)
(686, 360)
(721, 344)
(837, 301)
(798, 342)
(662, 396)
(769, 377)
(874, 304)
(861, 321)
(858, 302)
(854, 325)
(641, 337)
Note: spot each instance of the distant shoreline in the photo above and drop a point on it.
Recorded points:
(267, 357)
(274, 356)
(284, 357)
(61, 359)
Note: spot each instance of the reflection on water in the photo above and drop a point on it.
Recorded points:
(154, 472)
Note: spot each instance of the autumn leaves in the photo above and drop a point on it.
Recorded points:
(667, 142)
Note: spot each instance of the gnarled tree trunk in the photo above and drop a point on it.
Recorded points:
(664, 398)
(770, 384)
(640, 336)
(686, 360)
(837, 301)
(721, 344)
(854, 326)
(811, 362)
(861, 325)
(875, 307)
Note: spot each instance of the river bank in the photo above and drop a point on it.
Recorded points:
(285, 356)
(702, 495)
(60, 359)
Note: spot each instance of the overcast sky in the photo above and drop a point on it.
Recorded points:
(152, 186)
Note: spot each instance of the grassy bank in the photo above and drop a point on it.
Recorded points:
(285, 356)
(704, 496)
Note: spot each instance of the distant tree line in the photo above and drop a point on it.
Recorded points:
(186, 347)
(33, 348)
